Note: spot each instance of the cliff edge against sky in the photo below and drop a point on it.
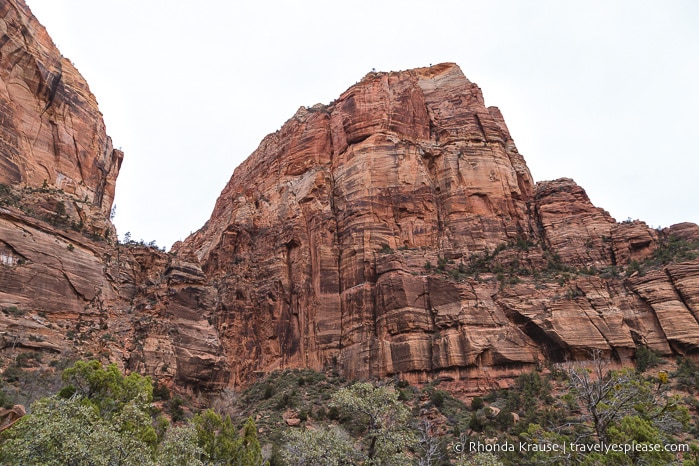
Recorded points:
(396, 231)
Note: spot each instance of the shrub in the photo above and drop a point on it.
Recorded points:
(687, 375)
(25, 359)
(437, 398)
(386, 249)
(160, 392)
(176, 410)
(646, 358)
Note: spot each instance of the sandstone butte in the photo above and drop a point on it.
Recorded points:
(396, 232)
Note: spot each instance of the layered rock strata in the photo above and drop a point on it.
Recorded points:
(398, 231)
(394, 232)
(66, 288)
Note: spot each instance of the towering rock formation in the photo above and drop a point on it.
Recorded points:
(298, 242)
(65, 287)
(52, 134)
(394, 232)
(398, 231)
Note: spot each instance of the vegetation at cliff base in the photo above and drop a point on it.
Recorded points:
(295, 417)
(102, 417)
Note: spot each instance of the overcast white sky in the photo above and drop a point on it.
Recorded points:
(604, 92)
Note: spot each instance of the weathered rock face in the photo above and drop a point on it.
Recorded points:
(65, 287)
(411, 161)
(57, 182)
(396, 231)
(52, 133)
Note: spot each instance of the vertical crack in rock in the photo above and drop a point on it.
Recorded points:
(340, 287)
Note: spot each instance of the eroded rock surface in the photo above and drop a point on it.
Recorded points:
(398, 231)
(394, 232)
(66, 288)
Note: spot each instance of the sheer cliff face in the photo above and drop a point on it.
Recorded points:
(410, 161)
(396, 231)
(57, 170)
(52, 132)
(352, 238)
(65, 287)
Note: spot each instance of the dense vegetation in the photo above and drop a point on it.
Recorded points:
(101, 417)
(563, 415)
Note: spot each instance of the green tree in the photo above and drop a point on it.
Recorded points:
(121, 400)
(388, 438)
(68, 432)
(321, 447)
(479, 459)
(250, 453)
(180, 448)
(106, 387)
(221, 444)
(549, 441)
(646, 358)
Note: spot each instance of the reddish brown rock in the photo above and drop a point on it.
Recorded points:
(576, 230)
(8, 417)
(65, 287)
(633, 241)
(395, 232)
(409, 160)
(52, 133)
(330, 245)
(672, 294)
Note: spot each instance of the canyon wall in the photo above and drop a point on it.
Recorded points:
(396, 231)
(66, 288)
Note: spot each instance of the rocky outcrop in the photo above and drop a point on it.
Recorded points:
(66, 289)
(8, 416)
(394, 232)
(411, 161)
(52, 134)
(398, 231)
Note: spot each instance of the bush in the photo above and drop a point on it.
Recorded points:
(437, 398)
(334, 413)
(687, 375)
(28, 359)
(176, 410)
(646, 358)
(674, 249)
(386, 249)
(160, 392)
(6, 400)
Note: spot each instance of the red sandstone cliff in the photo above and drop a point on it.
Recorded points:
(65, 287)
(398, 231)
(395, 231)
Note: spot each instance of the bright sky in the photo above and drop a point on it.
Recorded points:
(604, 92)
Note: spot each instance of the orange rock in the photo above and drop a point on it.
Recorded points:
(318, 244)
(395, 231)
(52, 135)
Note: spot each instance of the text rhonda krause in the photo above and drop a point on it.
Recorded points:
(479, 447)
